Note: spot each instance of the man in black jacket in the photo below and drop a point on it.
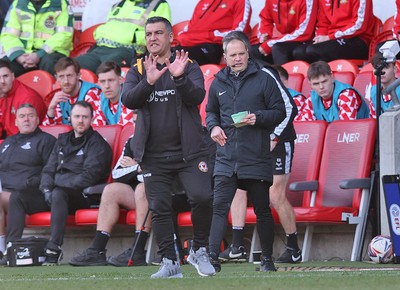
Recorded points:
(22, 158)
(127, 192)
(248, 96)
(79, 159)
(166, 89)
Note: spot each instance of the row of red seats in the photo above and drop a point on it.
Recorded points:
(327, 184)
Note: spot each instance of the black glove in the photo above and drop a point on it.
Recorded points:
(48, 196)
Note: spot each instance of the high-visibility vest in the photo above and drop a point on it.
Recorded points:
(45, 31)
(125, 26)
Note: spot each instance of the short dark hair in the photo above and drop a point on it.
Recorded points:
(109, 66)
(157, 19)
(283, 73)
(318, 68)
(83, 104)
(5, 63)
(65, 62)
(236, 35)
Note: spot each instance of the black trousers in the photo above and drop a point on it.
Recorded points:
(159, 174)
(205, 53)
(258, 193)
(345, 48)
(281, 53)
(64, 201)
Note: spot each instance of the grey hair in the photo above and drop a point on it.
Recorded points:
(235, 35)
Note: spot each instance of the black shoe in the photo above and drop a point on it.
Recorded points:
(290, 255)
(234, 254)
(89, 257)
(53, 254)
(3, 259)
(267, 264)
(139, 259)
(215, 262)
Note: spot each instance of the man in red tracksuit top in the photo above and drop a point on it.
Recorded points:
(344, 31)
(211, 21)
(293, 19)
(13, 93)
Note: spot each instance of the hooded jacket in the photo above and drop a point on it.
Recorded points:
(247, 151)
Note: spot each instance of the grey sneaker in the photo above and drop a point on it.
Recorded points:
(89, 257)
(201, 262)
(168, 269)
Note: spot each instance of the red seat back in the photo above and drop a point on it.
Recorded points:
(295, 81)
(343, 65)
(126, 132)
(176, 28)
(111, 133)
(362, 81)
(39, 80)
(209, 70)
(56, 129)
(207, 84)
(347, 154)
(297, 66)
(307, 157)
(88, 75)
(346, 77)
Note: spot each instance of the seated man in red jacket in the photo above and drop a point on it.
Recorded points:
(210, 22)
(12, 95)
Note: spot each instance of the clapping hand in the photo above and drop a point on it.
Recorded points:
(177, 67)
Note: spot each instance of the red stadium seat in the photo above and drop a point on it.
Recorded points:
(343, 65)
(362, 82)
(88, 216)
(306, 161)
(176, 28)
(340, 194)
(295, 81)
(43, 219)
(297, 66)
(207, 84)
(306, 87)
(209, 70)
(88, 75)
(56, 129)
(346, 77)
(39, 80)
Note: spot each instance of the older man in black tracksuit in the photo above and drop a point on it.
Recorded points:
(166, 89)
(80, 158)
(243, 158)
(22, 158)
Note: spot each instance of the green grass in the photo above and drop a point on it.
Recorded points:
(313, 275)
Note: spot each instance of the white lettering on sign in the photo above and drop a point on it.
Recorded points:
(348, 137)
(302, 138)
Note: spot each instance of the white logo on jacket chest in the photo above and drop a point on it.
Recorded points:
(27, 146)
(80, 152)
(5, 148)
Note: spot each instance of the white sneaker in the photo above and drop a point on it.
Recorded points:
(201, 262)
(168, 269)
